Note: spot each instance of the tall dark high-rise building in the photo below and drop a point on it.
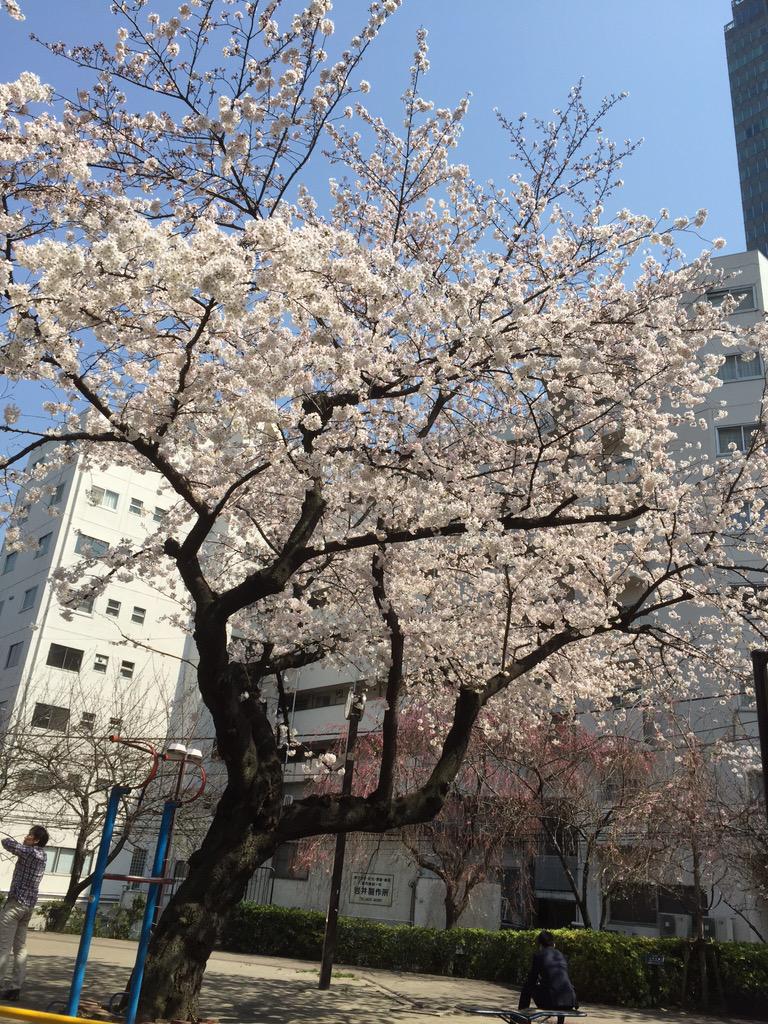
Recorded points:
(746, 46)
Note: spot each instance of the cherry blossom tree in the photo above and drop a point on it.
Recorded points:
(444, 430)
(486, 812)
(583, 786)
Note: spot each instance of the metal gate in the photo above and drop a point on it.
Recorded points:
(260, 885)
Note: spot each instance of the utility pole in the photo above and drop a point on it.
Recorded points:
(353, 714)
(760, 670)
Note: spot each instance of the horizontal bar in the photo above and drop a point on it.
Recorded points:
(142, 879)
(20, 1013)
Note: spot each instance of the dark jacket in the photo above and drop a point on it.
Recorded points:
(548, 982)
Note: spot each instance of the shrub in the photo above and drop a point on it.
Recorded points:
(606, 967)
(115, 922)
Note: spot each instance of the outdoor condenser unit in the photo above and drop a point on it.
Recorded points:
(675, 924)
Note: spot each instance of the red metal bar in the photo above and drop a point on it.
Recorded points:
(142, 879)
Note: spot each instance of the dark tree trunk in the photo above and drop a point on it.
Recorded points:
(192, 921)
(453, 907)
(242, 834)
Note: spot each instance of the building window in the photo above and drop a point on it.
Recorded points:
(137, 866)
(43, 545)
(69, 658)
(2, 605)
(100, 663)
(126, 669)
(29, 599)
(59, 861)
(738, 366)
(284, 863)
(116, 724)
(92, 546)
(740, 436)
(743, 297)
(136, 506)
(101, 496)
(138, 614)
(87, 721)
(10, 561)
(48, 716)
(159, 514)
(14, 654)
(36, 780)
(634, 904)
(57, 495)
(113, 607)
(86, 606)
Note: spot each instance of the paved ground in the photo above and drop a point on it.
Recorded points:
(264, 990)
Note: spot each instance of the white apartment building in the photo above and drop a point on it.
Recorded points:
(111, 665)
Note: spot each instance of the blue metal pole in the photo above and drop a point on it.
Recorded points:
(153, 896)
(113, 806)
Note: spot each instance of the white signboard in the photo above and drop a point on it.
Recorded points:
(376, 889)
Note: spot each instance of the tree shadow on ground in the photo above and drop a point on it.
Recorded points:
(231, 999)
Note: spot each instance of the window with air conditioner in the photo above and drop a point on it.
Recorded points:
(87, 722)
(100, 663)
(126, 669)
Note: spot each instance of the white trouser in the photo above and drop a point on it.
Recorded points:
(14, 918)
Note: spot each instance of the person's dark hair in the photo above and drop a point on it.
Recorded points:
(40, 833)
(545, 939)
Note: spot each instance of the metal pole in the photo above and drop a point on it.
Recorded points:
(331, 921)
(113, 805)
(164, 867)
(137, 976)
(760, 670)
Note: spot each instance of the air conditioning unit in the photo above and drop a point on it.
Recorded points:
(679, 925)
(718, 928)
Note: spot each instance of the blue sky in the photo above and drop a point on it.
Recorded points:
(668, 54)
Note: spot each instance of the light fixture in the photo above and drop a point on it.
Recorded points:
(175, 752)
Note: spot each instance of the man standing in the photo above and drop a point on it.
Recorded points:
(22, 897)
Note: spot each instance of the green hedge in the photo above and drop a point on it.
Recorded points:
(606, 967)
